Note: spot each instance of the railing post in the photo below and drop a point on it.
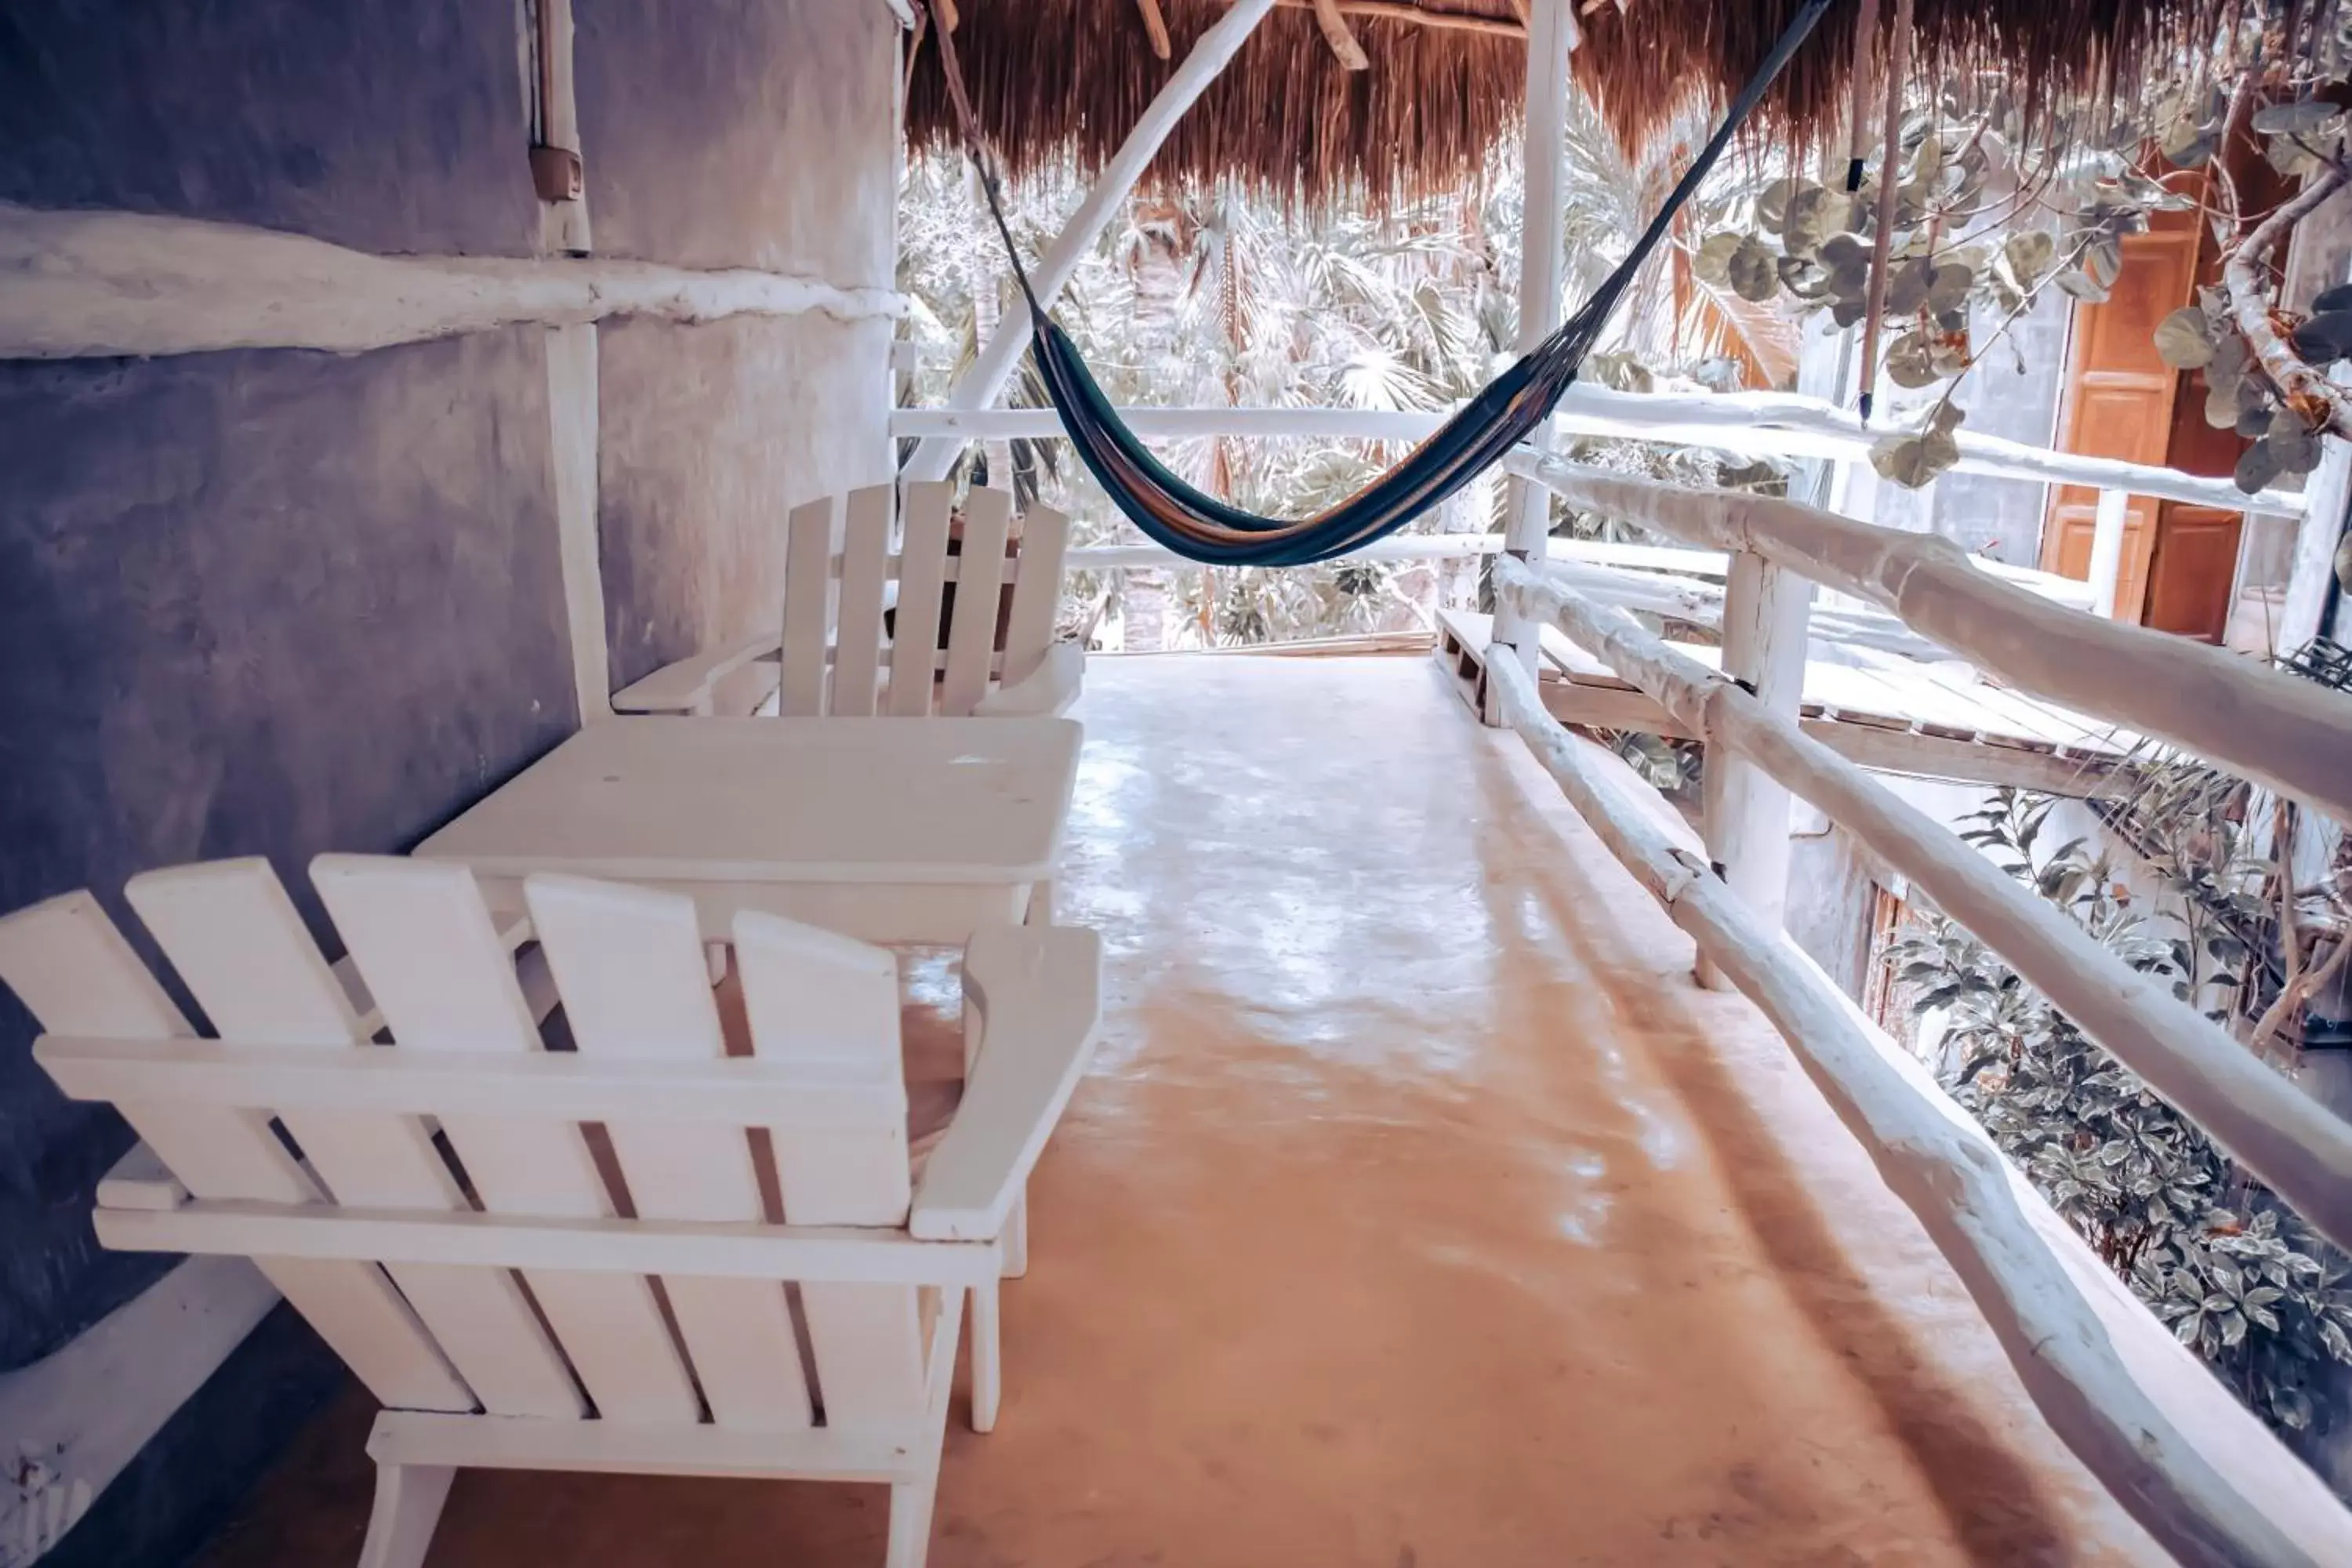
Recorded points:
(1551, 38)
(1765, 612)
(2108, 551)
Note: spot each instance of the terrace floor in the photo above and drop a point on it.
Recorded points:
(1418, 1212)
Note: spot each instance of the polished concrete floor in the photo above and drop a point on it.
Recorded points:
(1417, 1212)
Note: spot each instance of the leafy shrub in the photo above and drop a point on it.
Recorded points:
(2240, 1279)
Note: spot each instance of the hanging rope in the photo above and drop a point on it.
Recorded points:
(1198, 526)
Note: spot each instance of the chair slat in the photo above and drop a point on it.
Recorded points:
(980, 577)
(868, 1343)
(815, 997)
(629, 964)
(73, 969)
(426, 944)
(1036, 591)
(234, 936)
(809, 535)
(922, 558)
(865, 570)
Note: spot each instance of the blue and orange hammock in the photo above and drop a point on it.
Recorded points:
(1199, 527)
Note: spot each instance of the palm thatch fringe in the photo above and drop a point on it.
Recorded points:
(1054, 78)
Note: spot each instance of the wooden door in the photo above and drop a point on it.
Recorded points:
(2193, 563)
(2120, 400)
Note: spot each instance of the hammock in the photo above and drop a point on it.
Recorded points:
(1199, 527)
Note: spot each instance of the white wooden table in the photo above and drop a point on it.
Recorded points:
(912, 830)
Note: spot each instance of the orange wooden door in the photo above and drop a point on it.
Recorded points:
(2192, 563)
(2120, 398)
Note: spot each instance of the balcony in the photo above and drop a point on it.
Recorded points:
(1419, 1209)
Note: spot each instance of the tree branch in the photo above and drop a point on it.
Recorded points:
(2323, 405)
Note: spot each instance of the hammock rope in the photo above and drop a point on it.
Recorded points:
(1201, 528)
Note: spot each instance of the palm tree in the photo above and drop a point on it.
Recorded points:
(1207, 297)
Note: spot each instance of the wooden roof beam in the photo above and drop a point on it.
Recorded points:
(1336, 33)
(1388, 11)
(1155, 26)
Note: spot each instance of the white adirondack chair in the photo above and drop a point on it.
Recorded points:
(423, 1269)
(833, 654)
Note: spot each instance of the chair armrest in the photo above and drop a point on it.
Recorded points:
(1045, 693)
(686, 687)
(1037, 994)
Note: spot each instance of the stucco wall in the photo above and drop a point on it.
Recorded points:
(261, 602)
(389, 125)
(276, 602)
(265, 603)
(737, 134)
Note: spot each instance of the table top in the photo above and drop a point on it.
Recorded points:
(783, 800)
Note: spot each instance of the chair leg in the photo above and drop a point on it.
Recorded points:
(987, 1358)
(408, 1499)
(1016, 1237)
(911, 1521)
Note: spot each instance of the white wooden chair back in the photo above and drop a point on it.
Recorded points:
(687, 1245)
(634, 1300)
(840, 555)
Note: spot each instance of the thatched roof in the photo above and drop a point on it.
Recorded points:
(1446, 77)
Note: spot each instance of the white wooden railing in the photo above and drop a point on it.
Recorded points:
(2202, 1478)
(2193, 1466)
(1765, 424)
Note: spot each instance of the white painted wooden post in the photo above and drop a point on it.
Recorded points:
(1765, 612)
(978, 385)
(1551, 39)
(2327, 498)
(571, 381)
(2108, 551)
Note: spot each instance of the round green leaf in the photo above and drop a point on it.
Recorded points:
(1754, 270)
(1909, 363)
(2184, 340)
(1711, 262)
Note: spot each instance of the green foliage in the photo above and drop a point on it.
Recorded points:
(1203, 297)
(2240, 1279)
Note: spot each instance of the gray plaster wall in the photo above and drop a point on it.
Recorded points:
(732, 133)
(389, 125)
(708, 436)
(261, 602)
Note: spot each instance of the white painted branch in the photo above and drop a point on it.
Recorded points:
(978, 386)
(1765, 608)
(69, 1422)
(2322, 403)
(1754, 424)
(2313, 567)
(2195, 1468)
(82, 284)
(2276, 1131)
(2108, 551)
(2274, 727)
(1551, 42)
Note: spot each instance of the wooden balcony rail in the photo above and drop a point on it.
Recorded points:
(2196, 1472)
(1757, 424)
(2269, 726)
(2273, 1128)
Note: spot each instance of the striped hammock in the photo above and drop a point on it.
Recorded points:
(1199, 527)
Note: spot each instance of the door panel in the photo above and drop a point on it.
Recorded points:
(2122, 401)
(2194, 565)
